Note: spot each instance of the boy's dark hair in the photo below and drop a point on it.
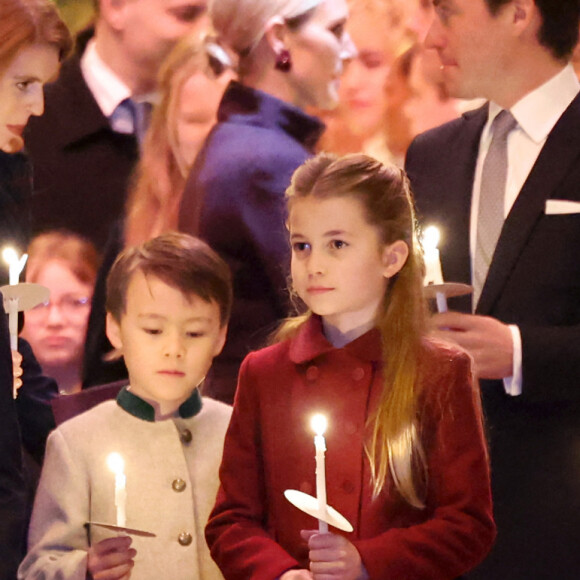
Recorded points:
(559, 29)
(182, 262)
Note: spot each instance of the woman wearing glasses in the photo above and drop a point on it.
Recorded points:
(67, 265)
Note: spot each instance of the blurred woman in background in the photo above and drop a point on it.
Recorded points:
(290, 56)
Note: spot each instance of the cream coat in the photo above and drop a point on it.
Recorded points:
(76, 486)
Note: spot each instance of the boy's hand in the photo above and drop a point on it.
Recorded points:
(16, 370)
(333, 557)
(296, 575)
(111, 559)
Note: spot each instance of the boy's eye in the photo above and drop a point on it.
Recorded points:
(338, 244)
(152, 330)
(300, 246)
(195, 334)
(23, 85)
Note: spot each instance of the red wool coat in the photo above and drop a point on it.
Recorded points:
(254, 532)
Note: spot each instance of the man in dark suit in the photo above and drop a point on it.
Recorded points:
(524, 333)
(84, 147)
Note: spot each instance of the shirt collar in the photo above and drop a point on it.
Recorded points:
(107, 88)
(538, 112)
(310, 343)
(254, 107)
(139, 408)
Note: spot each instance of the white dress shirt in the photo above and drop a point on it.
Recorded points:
(108, 89)
(537, 113)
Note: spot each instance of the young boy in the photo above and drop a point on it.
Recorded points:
(168, 304)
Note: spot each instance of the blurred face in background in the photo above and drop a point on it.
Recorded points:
(56, 330)
(199, 99)
(319, 48)
(151, 28)
(362, 92)
(21, 91)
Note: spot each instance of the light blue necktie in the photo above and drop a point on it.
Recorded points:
(131, 118)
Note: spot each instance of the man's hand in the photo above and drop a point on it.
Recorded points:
(333, 557)
(487, 340)
(111, 559)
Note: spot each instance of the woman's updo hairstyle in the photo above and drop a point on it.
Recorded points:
(240, 24)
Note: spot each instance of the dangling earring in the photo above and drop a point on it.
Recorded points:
(283, 61)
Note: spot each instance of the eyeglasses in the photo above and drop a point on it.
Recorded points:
(69, 306)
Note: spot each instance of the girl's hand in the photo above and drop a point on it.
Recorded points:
(333, 557)
(16, 369)
(296, 575)
(111, 559)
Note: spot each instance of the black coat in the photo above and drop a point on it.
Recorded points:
(81, 166)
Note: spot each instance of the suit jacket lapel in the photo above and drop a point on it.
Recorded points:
(560, 151)
(455, 199)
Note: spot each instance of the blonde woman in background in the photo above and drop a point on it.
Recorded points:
(380, 33)
(191, 84)
(291, 55)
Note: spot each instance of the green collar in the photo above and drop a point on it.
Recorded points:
(139, 408)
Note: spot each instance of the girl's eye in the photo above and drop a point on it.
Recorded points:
(338, 30)
(338, 244)
(23, 85)
(300, 246)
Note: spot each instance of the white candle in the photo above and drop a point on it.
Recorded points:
(15, 267)
(318, 424)
(433, 272)
(117, 466)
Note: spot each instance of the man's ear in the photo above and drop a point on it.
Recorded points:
(394, 257)
(114, 332)
(523, 14)
(275, 34)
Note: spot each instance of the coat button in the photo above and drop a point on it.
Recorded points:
(306, 487)
(178, 484)
(312, 373)
(186, 436)
(358, 374)
(349, 428)
(185, 538)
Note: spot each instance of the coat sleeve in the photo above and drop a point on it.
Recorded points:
(460, 530)
(58, 541)
(236, 531)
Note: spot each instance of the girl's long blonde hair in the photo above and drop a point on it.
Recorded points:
(394, 444)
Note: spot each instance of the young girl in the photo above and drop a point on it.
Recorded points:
(406, 462)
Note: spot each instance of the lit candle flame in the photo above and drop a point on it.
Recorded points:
(116, 463)
(9, 255)
(318, 424)
(431, 238)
